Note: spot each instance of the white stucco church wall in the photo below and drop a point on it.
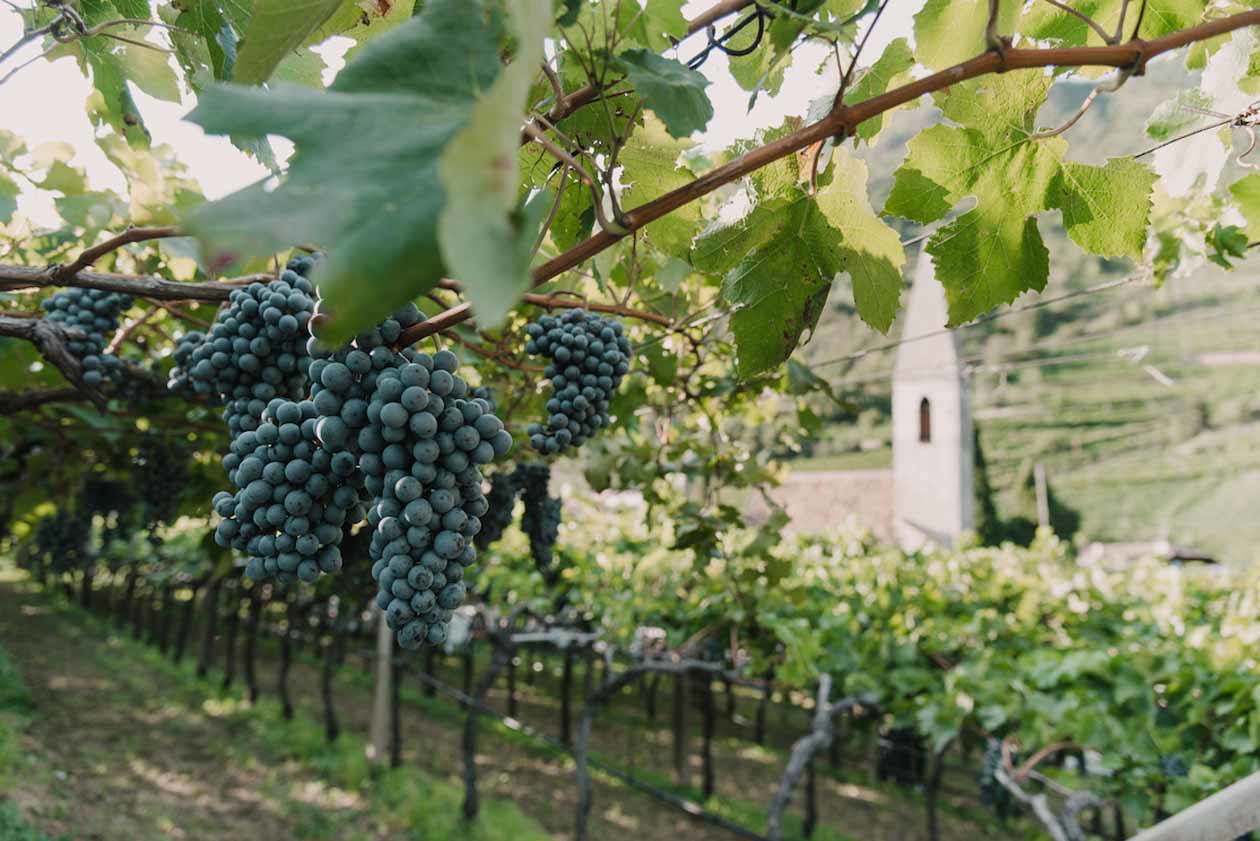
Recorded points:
(933, 485)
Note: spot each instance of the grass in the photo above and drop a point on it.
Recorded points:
(15, 712)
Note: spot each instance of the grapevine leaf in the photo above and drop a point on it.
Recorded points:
(8, 198)
(869, 250)
(484, 241)
(1246, 193)
(1046, 22)
(360, 20)
(1106, 209)
(994, 252)
(569, 13)
(672, 90)
(782, 258)
(657, 25)
(1226, 242)
(889, 69)
(574, 218)
(277, 27)
(651, 169)
(986, 258)
(364, 181)
(1175, 116)
(947, 32)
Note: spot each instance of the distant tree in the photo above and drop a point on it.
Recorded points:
(1021, 527)
(988, 523)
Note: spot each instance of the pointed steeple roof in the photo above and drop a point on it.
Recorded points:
(937, 354)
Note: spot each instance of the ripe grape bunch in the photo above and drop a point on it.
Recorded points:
(589, 356)
(290, 506)
(504, 487)
(95, 312)
(256, 349)
(541, 518)
(162, 474)
(426, 440)
(297, 474)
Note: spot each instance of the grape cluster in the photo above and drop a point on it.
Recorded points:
(993, 794)
(95, 312)
(60, 540)
(589, 356)
(256, 349)
(541, 518)
(422, 451)
(291, 502)
(185, 346)
(501, 499)
(162, 475)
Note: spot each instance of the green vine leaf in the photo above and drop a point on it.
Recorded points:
(947, 32)
(276, 28)
(364, 182)
(1246, 193)
(889, 70)
(651, 169)
(1045, 22)
(484, 241)
(993, 253)
(8, 198)
(672, 90)
(778, 262)
(1226, 243)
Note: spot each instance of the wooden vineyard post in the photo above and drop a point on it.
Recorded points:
(932, 795)
(682, 768)
(759, 733)
(286, 660)
(650, 684)
(229, 643)
(332, 728)
(378, 732)
(185, 624)
(430, 666)
(85, 589)
(164, 628)
(503, 652)
(467, 658)
(511, 687)
(810, 822)
(706, 755)
(137, 615)
(395, 719)
(251, 641)
(566, 692)
(124, 607)
(212, 621)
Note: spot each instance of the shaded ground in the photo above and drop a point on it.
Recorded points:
(123, 747)
(145, 767)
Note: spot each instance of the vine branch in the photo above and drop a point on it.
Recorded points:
(843, 119)
(50, 339)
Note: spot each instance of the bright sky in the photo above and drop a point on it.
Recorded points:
(45, 102)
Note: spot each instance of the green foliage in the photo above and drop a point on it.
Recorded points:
(669, 88)
(276, 27)
(14, 827)
(988, 525)
(383, 226)
(993, 253)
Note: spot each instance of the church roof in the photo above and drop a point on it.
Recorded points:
(937, 354)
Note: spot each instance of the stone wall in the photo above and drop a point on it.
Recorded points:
(823, 499)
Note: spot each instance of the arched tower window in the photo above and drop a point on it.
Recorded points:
(925, 421)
